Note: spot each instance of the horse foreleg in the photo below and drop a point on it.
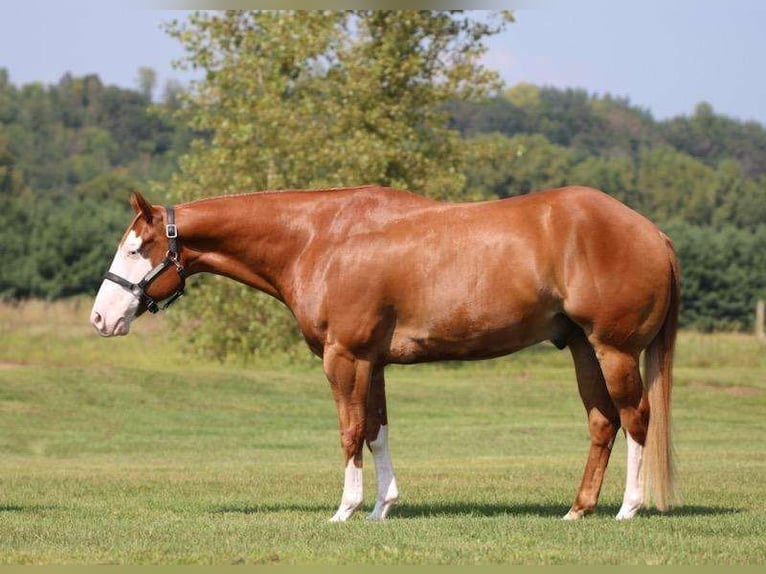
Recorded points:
(350, 380)
(377, 440)
(603, 422)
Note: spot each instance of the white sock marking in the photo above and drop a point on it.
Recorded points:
(352, 493)
(388, 493)
(634, 485)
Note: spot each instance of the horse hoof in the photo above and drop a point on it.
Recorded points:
(576, 514)
(345, 511)
(381, 510)
(627, 512)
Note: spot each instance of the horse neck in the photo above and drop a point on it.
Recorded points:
(253, 239)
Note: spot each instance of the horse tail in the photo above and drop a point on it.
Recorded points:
(658, 468)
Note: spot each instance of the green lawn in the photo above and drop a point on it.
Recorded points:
(131, 451)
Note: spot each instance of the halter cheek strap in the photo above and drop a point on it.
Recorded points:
(172, 259)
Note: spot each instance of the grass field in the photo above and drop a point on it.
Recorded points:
(131, 451)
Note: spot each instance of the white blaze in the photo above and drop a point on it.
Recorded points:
(115, 307)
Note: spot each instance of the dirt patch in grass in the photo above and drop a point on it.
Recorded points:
(10, 366)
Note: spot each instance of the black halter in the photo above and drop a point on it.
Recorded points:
(172, 259)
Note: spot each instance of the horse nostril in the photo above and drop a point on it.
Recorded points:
(96, 319)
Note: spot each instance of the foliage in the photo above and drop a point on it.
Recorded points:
(712, 138)
(506, 166)
(335, 108)
(676, 185)
(724, 274)
(571, 118)
(604, 142)
(69, 156)
(228, 321)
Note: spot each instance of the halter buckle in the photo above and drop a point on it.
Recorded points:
(171, 231)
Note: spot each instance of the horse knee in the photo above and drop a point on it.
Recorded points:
(635, 424)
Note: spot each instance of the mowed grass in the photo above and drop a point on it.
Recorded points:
(132, 451)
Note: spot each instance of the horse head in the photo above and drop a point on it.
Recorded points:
(138, 277)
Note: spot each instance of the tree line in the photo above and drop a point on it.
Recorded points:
(70, 154)
(704, 169)
(394, 98)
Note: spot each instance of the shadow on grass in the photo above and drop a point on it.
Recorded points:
(541, 510)
(235, 508)
(13, 508)
(693, 510)
(24, 508)
(464, 509)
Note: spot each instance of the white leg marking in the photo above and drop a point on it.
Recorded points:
(388, 494)
(352, 493)
(634, 485)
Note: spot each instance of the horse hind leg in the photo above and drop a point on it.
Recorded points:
(377, 440)
(603, 423)
(633, 499)
(623, 381)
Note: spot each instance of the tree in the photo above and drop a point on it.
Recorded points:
(10, 179)
(745, 206)
(146, 81)
(675, 185)
(297, 99)
(722, 274)
(171, 96)
(710, 138)
(505, 166)
(615, 176)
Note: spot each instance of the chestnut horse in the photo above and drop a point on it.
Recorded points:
(377, 276)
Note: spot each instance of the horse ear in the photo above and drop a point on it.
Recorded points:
(141, 206)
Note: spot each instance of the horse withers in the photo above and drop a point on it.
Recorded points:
(377, 276)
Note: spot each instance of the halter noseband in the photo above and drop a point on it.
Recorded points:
(172, 259)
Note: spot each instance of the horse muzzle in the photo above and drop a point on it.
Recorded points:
(107, 329)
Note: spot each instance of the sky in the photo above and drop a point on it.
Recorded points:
(665, 56)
